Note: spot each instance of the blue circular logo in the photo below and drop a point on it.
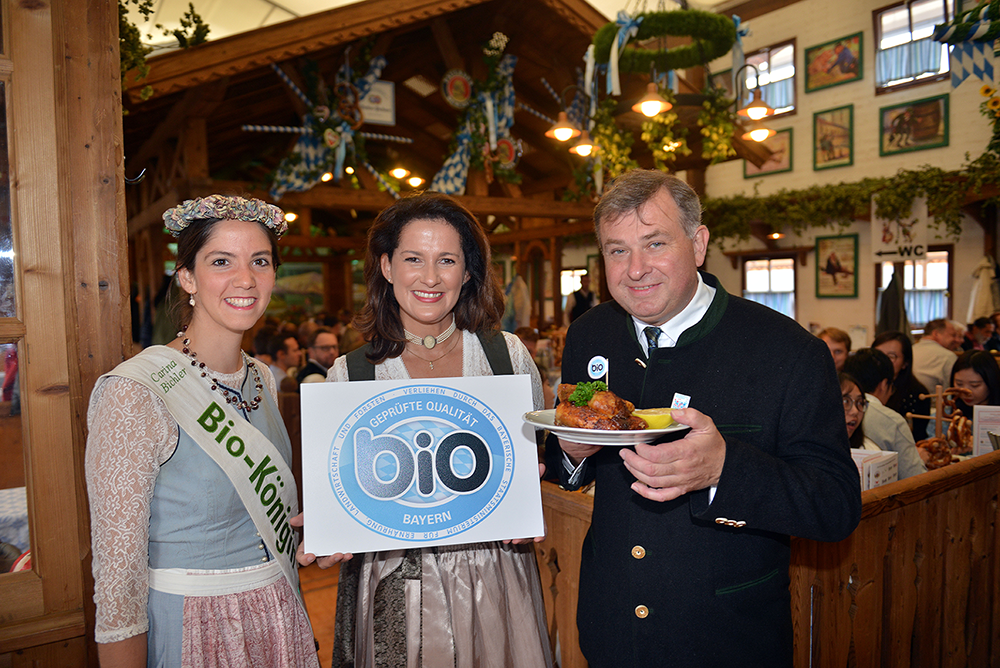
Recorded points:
(421, 462)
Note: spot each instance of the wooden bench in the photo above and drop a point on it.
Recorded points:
(915, 585)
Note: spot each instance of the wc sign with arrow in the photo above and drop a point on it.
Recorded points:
(901, 240)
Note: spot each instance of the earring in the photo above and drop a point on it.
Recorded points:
(191, 299)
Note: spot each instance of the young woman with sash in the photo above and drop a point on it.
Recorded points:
(187, 470)
(433, 311)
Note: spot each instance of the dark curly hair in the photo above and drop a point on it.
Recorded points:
(480, 303)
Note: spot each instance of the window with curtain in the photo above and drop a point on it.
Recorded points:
(928, 286)
(771, 282)
(776, 65)
(905, 54)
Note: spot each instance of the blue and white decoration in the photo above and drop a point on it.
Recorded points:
(498, 109)
(413, 463)
(973, 36)
(311, 155)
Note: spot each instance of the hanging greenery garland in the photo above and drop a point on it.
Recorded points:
(718, 124)
(612, 145)
(665, 139)
(713, 35)
(968, 23)
(730, 218)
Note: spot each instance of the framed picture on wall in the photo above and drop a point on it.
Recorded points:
(913, 126)
(780, 161)
(833, 138)
(836, 266)
(835, 62)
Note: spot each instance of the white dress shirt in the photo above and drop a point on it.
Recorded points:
(670, 333)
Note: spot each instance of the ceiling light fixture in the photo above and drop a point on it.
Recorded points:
(291, 216)
(758, 133)
(415, 181)
(327, 176)
(399, 173)
(652, 103)
(348, 170)
(584, 146)
(562, 130)
(757, 109)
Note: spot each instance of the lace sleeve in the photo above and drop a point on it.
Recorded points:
(131, 435)
(268, 378)
(521, 360)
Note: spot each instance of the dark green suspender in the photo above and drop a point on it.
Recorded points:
(494, 345)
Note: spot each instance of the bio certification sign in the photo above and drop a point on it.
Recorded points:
(418, 463)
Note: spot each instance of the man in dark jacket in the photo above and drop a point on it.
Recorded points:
(686, 561)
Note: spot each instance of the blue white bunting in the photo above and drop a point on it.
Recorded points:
(453, 176)
(971, 59)
(628, 28)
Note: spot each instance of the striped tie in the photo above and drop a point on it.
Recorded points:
(652, 337)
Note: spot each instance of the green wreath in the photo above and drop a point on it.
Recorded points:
(968, 21)
(713, 35)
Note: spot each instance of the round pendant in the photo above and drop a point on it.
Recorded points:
(429, 342)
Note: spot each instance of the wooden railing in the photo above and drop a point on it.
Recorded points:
(915, 585)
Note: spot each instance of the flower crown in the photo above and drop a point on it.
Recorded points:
(225, 207)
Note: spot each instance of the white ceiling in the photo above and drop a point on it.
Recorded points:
(229, 17)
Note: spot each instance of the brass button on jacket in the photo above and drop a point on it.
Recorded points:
(638, 552)
(641, 611)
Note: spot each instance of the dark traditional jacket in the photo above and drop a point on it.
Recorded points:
(685, 583)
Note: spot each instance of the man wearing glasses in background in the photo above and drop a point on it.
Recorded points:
(322, 350)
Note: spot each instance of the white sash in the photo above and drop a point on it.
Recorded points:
(253, 465)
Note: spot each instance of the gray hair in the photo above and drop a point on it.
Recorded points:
(633, 189)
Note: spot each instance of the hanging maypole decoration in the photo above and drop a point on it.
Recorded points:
(328, 135)
(483, 139)
(973, 35)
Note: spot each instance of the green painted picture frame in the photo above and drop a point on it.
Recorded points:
(837, 267)
(913, 126)
(834, 63)
(833, 138)
(779, 162)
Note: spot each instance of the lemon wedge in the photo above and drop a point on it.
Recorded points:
(656, 418)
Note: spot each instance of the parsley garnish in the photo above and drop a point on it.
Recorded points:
(584, 391)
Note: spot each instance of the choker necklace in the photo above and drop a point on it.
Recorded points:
(241, 405)
(430, 341)
(439, 357)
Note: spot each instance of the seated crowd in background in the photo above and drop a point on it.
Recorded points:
(839, 343)
(906, 389)
(887, 429)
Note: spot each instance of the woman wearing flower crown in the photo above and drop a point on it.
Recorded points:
(190, 491)
(433, 310)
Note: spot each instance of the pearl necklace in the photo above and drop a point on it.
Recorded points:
(241, 405)
(430, 341)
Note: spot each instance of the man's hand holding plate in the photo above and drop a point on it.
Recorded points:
(666, 471)
(577, 452)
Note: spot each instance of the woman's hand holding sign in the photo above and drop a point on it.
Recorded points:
(306, 558)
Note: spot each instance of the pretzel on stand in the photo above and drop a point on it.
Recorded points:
(939, 450)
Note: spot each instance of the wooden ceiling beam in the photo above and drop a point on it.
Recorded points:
(200, 101)
(332, 198)
(446, 45)
(238, 53)
(547, 232)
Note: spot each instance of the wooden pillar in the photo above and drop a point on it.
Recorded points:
(195, 151)
(555, 243)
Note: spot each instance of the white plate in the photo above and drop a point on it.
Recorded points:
(546, 419)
